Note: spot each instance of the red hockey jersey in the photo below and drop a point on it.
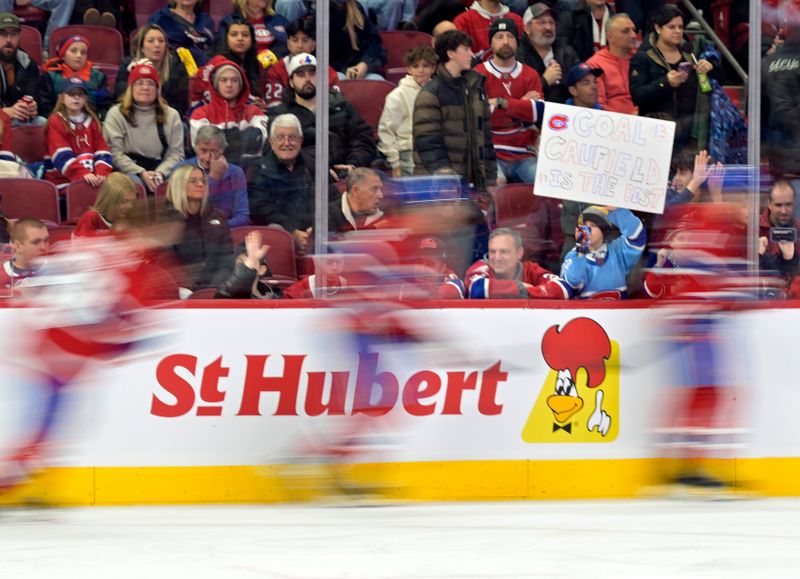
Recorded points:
(476, 22)
(513, 132)
(75, 151)
(482, 284)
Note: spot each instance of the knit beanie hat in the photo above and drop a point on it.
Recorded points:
(69, 41)
(144, 70)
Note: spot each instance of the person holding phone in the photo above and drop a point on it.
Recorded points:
(777, 242)
(664, 79)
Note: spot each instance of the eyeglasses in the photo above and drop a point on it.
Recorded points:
(197, 181)
(287, 138)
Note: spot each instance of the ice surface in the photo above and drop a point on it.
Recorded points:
(646, 538)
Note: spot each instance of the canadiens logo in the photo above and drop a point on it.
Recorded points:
(579, 400)
(558, 122)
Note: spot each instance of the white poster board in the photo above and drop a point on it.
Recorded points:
(604, 158)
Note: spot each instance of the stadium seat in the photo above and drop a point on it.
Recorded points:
(29, 143)
(143, 9)
(29, 198)
(281, 257)
(397, 43)
(218, 9)
(106, 46)
(32, 16)
(60, 233)
(367, 97)
(30, 40)
(80, 195)
(513, 202)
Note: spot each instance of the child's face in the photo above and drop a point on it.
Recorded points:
(300, 42)
(74, 101)
(681, 179)
(76, 55)
(421, 71)
(239, 39)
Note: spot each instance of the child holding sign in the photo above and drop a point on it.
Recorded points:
(596, 269)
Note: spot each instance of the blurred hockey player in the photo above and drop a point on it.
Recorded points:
(86, 308)
(700, 274)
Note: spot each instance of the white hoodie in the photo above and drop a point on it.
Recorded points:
(396, 127)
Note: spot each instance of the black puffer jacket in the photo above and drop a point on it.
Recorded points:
(452, 128)
(351, 138)
(205, 249)
(781, 78)
(564, 55)
(575, 28)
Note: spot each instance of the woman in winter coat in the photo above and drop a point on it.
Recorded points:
(664, 79)
(205, 248)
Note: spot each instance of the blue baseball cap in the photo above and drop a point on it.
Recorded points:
(75, 83)
(579, 71)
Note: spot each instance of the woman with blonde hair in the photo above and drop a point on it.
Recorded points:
(144, 133)
(269, 26)
(115, 198)
(356, 50)
(150, 42)
(205, 248)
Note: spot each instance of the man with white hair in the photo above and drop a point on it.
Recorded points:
(351, 139)
(227, 185)
(282, 189)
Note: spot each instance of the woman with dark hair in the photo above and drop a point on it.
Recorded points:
(664, 79)
(186, 27)
(236, 42)
(269, 26)
(150, 42)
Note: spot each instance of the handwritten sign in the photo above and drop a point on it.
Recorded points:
(604, 158)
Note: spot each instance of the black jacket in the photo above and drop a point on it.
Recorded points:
(564, 55)
(370, 47)
(175, 90)
(781, 79)
(205, 249)
(654, 96)
(26, 80)
(575, 27)
(351, 138)
(283, 197)
(452, 128)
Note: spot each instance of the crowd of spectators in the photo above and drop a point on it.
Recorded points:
(219, 120)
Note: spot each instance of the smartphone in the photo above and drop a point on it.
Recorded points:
(685, 67)
(783, 234)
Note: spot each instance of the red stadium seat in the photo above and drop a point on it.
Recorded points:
(367, 97)
(32, 16)
(146, 8)
(29, 143)
(397, 43)
(106, 46)
(218, 9)
(281, 257)
(80, 195)
(30, 198)
(30, 40)
(60, 233)
(111, 71)
(513, 202)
